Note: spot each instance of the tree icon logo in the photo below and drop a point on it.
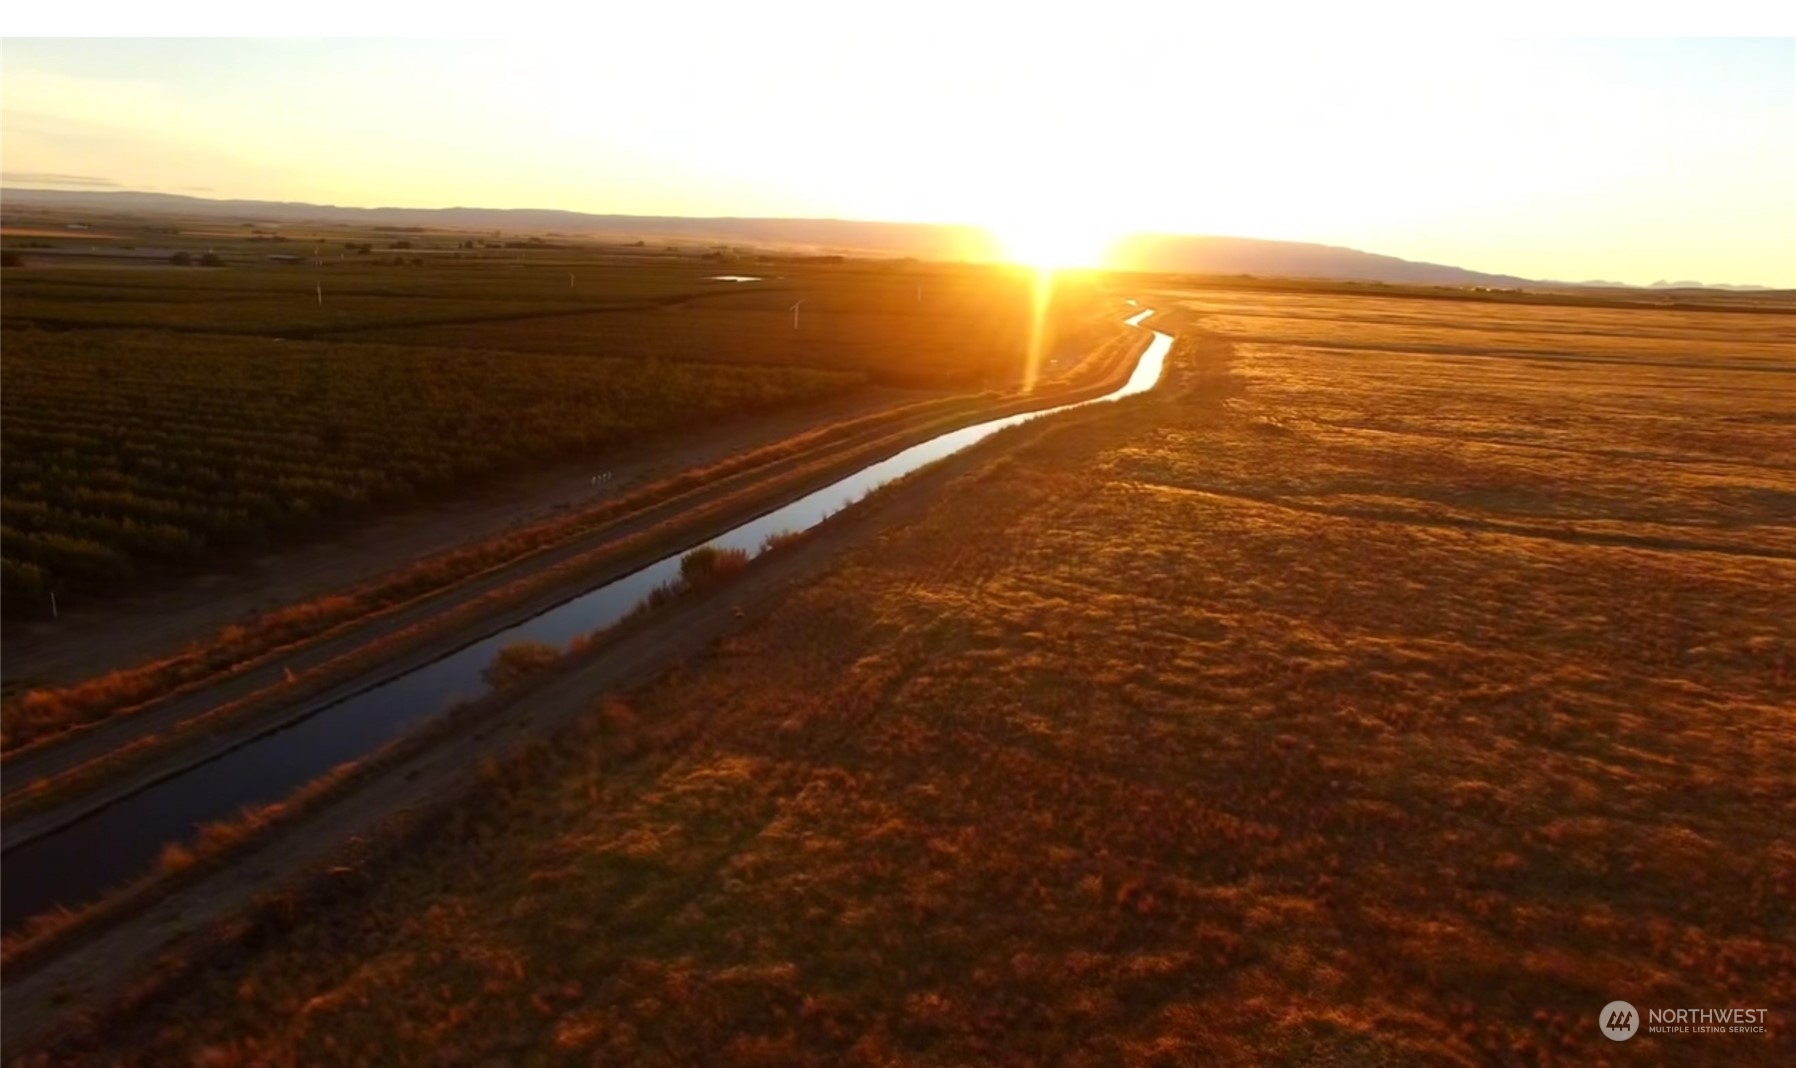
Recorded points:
(1619, 1021)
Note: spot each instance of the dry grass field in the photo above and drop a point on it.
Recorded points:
(1400, 683)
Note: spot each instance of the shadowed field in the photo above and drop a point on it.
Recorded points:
(898, 322)
(172, 421)
(131, 451)
(1389, 687)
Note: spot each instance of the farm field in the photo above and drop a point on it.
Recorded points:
(163, 422)
(1401, 682)
(898, 322)
(130, 450)
(966, 337)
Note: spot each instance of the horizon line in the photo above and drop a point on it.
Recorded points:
(1121, 237)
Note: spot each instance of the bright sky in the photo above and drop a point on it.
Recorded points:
(1626, 160)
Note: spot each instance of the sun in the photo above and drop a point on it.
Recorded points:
(1054, 243)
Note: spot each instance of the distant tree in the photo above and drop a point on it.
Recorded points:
(181, 259)
(402, 244)
(211, 259)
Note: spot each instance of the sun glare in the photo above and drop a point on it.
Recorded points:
(1054, 244)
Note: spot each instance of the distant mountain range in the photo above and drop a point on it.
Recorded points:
(1705, 285)
(1170, 253)
(1291, 259)
(1599, 283)
(904, 239)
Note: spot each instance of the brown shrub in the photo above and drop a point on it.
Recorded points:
(519, 661)
(783, 539)
(708, 563)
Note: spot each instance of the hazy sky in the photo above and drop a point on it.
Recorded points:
(1634, 161)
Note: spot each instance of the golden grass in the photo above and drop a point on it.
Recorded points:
(1331, 705)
